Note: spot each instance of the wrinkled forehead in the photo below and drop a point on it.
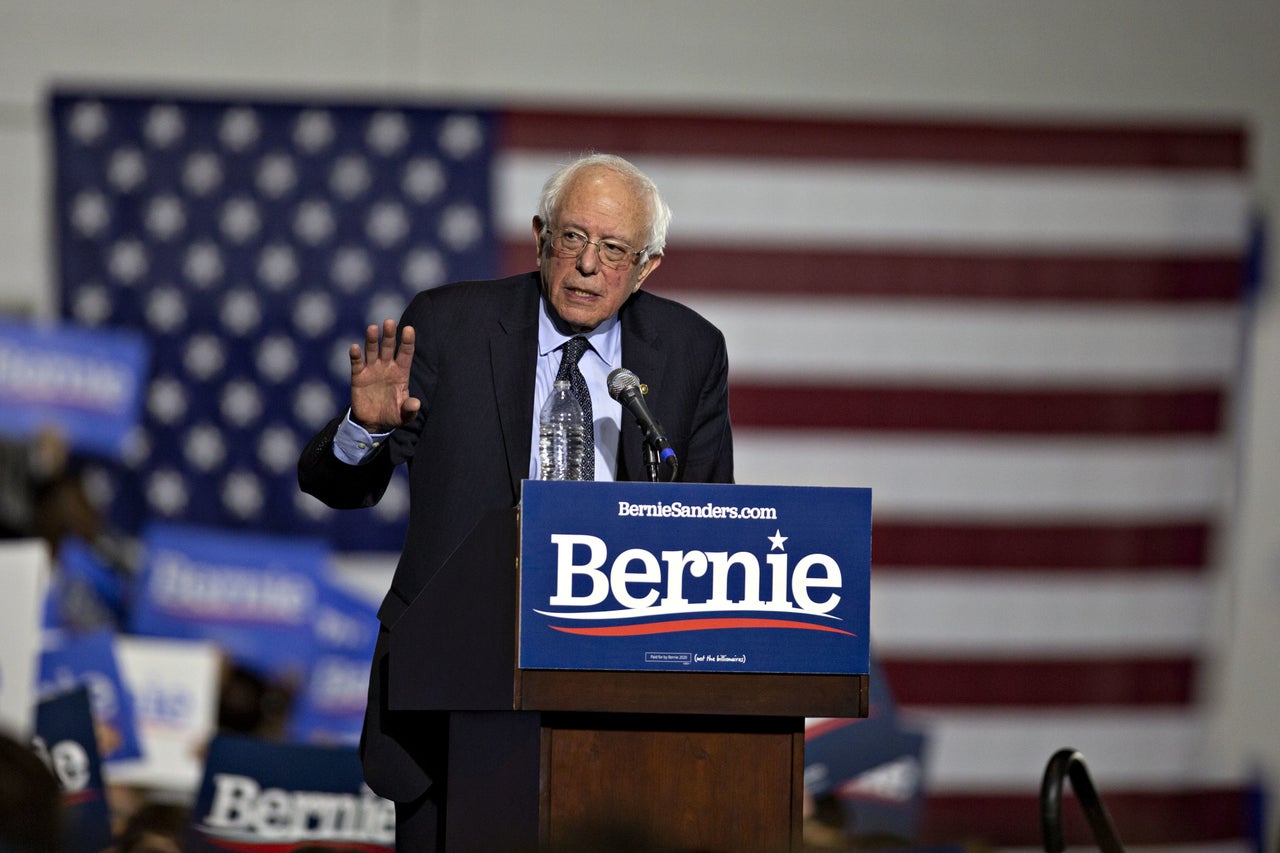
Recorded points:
(603, 192)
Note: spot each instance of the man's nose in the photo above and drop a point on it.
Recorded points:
(589, 266)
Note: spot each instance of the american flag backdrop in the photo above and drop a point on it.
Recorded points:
(1023, 336)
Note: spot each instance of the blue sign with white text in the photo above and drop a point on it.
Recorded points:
(65, 735)
(89, 659)
(330, 706)
(696, 577)
(257, 795)
(86, 383)
(252, 594)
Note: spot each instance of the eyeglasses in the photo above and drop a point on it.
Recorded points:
(571, 244)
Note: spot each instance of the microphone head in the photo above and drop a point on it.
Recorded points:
(621, 380)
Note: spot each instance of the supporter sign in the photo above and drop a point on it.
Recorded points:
(627, 576)
(872, 766)
(65, 739)
(24, 577)
(174, 684)
(263, 796)
(90, 659)
(330, 708)
(253, 595)
(887, 799)
(87, 383)
(86, 593)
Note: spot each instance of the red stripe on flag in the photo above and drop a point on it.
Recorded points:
(1110, 412)
(1104, 545)
(933, 274)
(1042, 683)
(1058, 144)
(1184, 816)
(929, 274)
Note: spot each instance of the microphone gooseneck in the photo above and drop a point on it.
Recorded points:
(624, 386)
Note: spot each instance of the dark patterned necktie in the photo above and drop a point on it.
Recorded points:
(573, 350)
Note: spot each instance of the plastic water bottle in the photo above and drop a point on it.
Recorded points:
(561, 435)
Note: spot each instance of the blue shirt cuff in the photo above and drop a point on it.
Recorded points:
(354, 444)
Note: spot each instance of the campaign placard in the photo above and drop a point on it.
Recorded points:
(72, 659)
(24, 576)
(330, 707)
(86, 383)
(175, 687)
(694, 577)
(254, 595)
(259, 795)
(66, 739)
(873, 766)
(86, 592)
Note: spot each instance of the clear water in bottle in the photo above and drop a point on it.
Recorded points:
(561, 435)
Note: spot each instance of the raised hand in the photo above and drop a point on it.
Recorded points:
(380, 398)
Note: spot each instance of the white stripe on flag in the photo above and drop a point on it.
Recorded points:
(727, 201)
(974, 750)
(938, 477)
(1002, 345)
(950, 614)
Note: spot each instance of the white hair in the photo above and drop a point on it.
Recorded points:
(644, 188)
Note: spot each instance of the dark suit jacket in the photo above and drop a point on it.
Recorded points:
(468, 450)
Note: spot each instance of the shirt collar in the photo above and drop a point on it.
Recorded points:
(605, 339)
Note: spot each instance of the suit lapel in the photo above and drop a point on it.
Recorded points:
(513, 350)
(643, 355)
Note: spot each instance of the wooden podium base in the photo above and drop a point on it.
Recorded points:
(571, 783)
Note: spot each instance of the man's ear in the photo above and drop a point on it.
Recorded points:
(649, 266)
(537, 236)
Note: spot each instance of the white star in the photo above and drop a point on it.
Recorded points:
(313, 130)
(777, 539)
(164, 125)
(460, 135)
(424, 179)
(461, 227)
(388, 132)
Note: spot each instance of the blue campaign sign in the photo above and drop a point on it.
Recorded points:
(65, 735)
(85, 592)
(330, 707)
(873, 766)
(254, 595)
(89, 659)
(695, 577)
(264, 796)
(86, 383)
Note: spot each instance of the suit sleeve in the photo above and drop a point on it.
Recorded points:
(323, 475)
(710, 455)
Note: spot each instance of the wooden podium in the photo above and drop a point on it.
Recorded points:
(568, 760)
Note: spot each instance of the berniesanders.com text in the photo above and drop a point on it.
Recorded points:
(679, 509)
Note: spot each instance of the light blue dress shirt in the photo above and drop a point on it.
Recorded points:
(596, 363)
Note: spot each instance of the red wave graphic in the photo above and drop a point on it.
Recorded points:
(675, 626)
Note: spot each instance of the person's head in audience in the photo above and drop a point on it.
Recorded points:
(30, 801)
(154, 828)
(252, 704)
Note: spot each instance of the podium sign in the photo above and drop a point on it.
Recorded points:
(694, 577)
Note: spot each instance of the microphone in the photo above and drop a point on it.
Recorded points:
(624, 386)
